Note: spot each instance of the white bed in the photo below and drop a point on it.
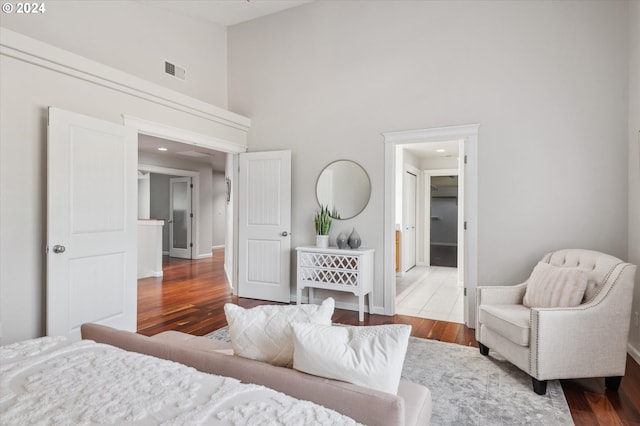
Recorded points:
(52, 381)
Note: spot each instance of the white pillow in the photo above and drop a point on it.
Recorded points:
(552, 286)
(368, 356)
(263, 333)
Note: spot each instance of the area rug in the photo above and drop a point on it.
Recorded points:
(470, 389)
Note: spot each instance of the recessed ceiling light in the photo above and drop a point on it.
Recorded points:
(441, 150)
(162, 149)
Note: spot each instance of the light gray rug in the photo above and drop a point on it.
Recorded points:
(470, 389)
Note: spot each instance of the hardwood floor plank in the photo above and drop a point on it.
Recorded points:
(190, 297)
(603, 410)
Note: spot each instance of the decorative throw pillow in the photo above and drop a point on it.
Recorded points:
(367, 356)
(552, 286)
(263, 333)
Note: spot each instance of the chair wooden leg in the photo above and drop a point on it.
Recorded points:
(613, 383)
(539, 386)
(484, 350)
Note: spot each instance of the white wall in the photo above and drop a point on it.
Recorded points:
(634, 165)
(326, 78)
(136, 38)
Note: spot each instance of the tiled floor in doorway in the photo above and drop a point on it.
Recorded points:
(430, 292)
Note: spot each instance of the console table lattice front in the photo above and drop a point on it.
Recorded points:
(336, 269)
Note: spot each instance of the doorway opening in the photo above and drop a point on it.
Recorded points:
(396, 145)
(428, 284)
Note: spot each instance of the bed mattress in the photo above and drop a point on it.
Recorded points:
(53, 381)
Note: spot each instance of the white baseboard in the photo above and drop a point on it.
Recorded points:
(152, 274)
(634, 352)
(165, 253)
(228, 276)
(204, 256)
(217, 247)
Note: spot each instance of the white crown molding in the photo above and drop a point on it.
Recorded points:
(431, 135)
(164, 131)
(38, 53)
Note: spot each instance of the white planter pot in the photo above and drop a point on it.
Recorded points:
(322, 241)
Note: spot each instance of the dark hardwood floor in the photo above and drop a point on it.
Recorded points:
(191, 295)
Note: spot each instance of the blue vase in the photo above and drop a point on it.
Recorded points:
(354, 239)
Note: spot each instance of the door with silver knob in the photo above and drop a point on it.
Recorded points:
(92, 207)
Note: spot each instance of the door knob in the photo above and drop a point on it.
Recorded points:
(285, 233)
(59, 249)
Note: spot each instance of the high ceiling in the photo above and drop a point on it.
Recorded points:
(225, 12)
(221, 12)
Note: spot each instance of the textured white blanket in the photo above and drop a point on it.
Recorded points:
(49, 381)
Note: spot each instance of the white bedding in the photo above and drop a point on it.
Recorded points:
(51, 381)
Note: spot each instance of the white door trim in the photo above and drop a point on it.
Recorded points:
(469, 133)
(177, 134)
(164, 131)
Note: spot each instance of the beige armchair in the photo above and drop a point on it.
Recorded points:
(587, 340)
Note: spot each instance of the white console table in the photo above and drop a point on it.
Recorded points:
(336, 269)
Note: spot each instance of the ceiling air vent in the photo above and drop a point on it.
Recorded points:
(175, 70)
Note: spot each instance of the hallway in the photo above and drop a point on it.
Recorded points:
(430, 292)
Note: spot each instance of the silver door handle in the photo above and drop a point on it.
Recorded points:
(285, 233)
(59, 249)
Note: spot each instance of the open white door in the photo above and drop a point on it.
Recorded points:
(409, 206)
(180, 217)
(91, 224)
(264, 225)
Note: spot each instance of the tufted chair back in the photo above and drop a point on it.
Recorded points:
(599, 265)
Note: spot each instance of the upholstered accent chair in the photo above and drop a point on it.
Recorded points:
(570, 319)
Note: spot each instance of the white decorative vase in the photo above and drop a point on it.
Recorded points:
(322, 241)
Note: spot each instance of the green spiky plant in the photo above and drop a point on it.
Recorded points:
(322, 220)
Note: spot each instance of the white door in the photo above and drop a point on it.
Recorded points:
(180, 217)
(409, 220)
(265, 222)
(91, 224)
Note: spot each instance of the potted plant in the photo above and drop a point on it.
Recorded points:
(322, 220)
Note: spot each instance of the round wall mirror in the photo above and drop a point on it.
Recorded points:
(344, 187)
